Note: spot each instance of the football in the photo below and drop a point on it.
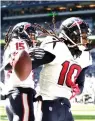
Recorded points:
(23, 66)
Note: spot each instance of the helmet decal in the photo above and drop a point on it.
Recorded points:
(23, 30)
(78, 22)
(27, 25)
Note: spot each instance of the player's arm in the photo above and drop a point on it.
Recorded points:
(39, 57)
(46, 58)
(49, 56)
(81, 79)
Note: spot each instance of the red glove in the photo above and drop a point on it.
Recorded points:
(75, 90)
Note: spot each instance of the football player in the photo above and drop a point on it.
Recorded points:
(62, 76)
(19, 91)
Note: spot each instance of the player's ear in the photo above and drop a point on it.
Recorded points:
(23, 66)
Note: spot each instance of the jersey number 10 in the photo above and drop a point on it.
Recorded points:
(68, 72)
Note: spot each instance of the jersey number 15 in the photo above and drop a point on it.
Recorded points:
(19, 46)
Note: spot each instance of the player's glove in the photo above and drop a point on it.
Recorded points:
(38, 98)
(75, 90)
(36, 53)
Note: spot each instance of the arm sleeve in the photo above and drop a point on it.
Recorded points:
(48, 57)
(81, 79)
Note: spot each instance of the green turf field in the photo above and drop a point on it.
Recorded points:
(81, 112)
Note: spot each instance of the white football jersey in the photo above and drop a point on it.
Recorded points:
(16, 47)
(57, 76)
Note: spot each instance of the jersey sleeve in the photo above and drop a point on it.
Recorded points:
(57, 48)
(47, 44)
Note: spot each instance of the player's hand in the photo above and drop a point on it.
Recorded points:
(75, 90)
(38, 98)
(36, 53)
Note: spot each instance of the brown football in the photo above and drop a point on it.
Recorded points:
(23, 66)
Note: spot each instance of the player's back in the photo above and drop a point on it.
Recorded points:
(57, 77)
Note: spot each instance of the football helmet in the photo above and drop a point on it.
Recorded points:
(75, 31)
(24, 30)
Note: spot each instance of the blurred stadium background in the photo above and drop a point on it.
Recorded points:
(40, 12)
